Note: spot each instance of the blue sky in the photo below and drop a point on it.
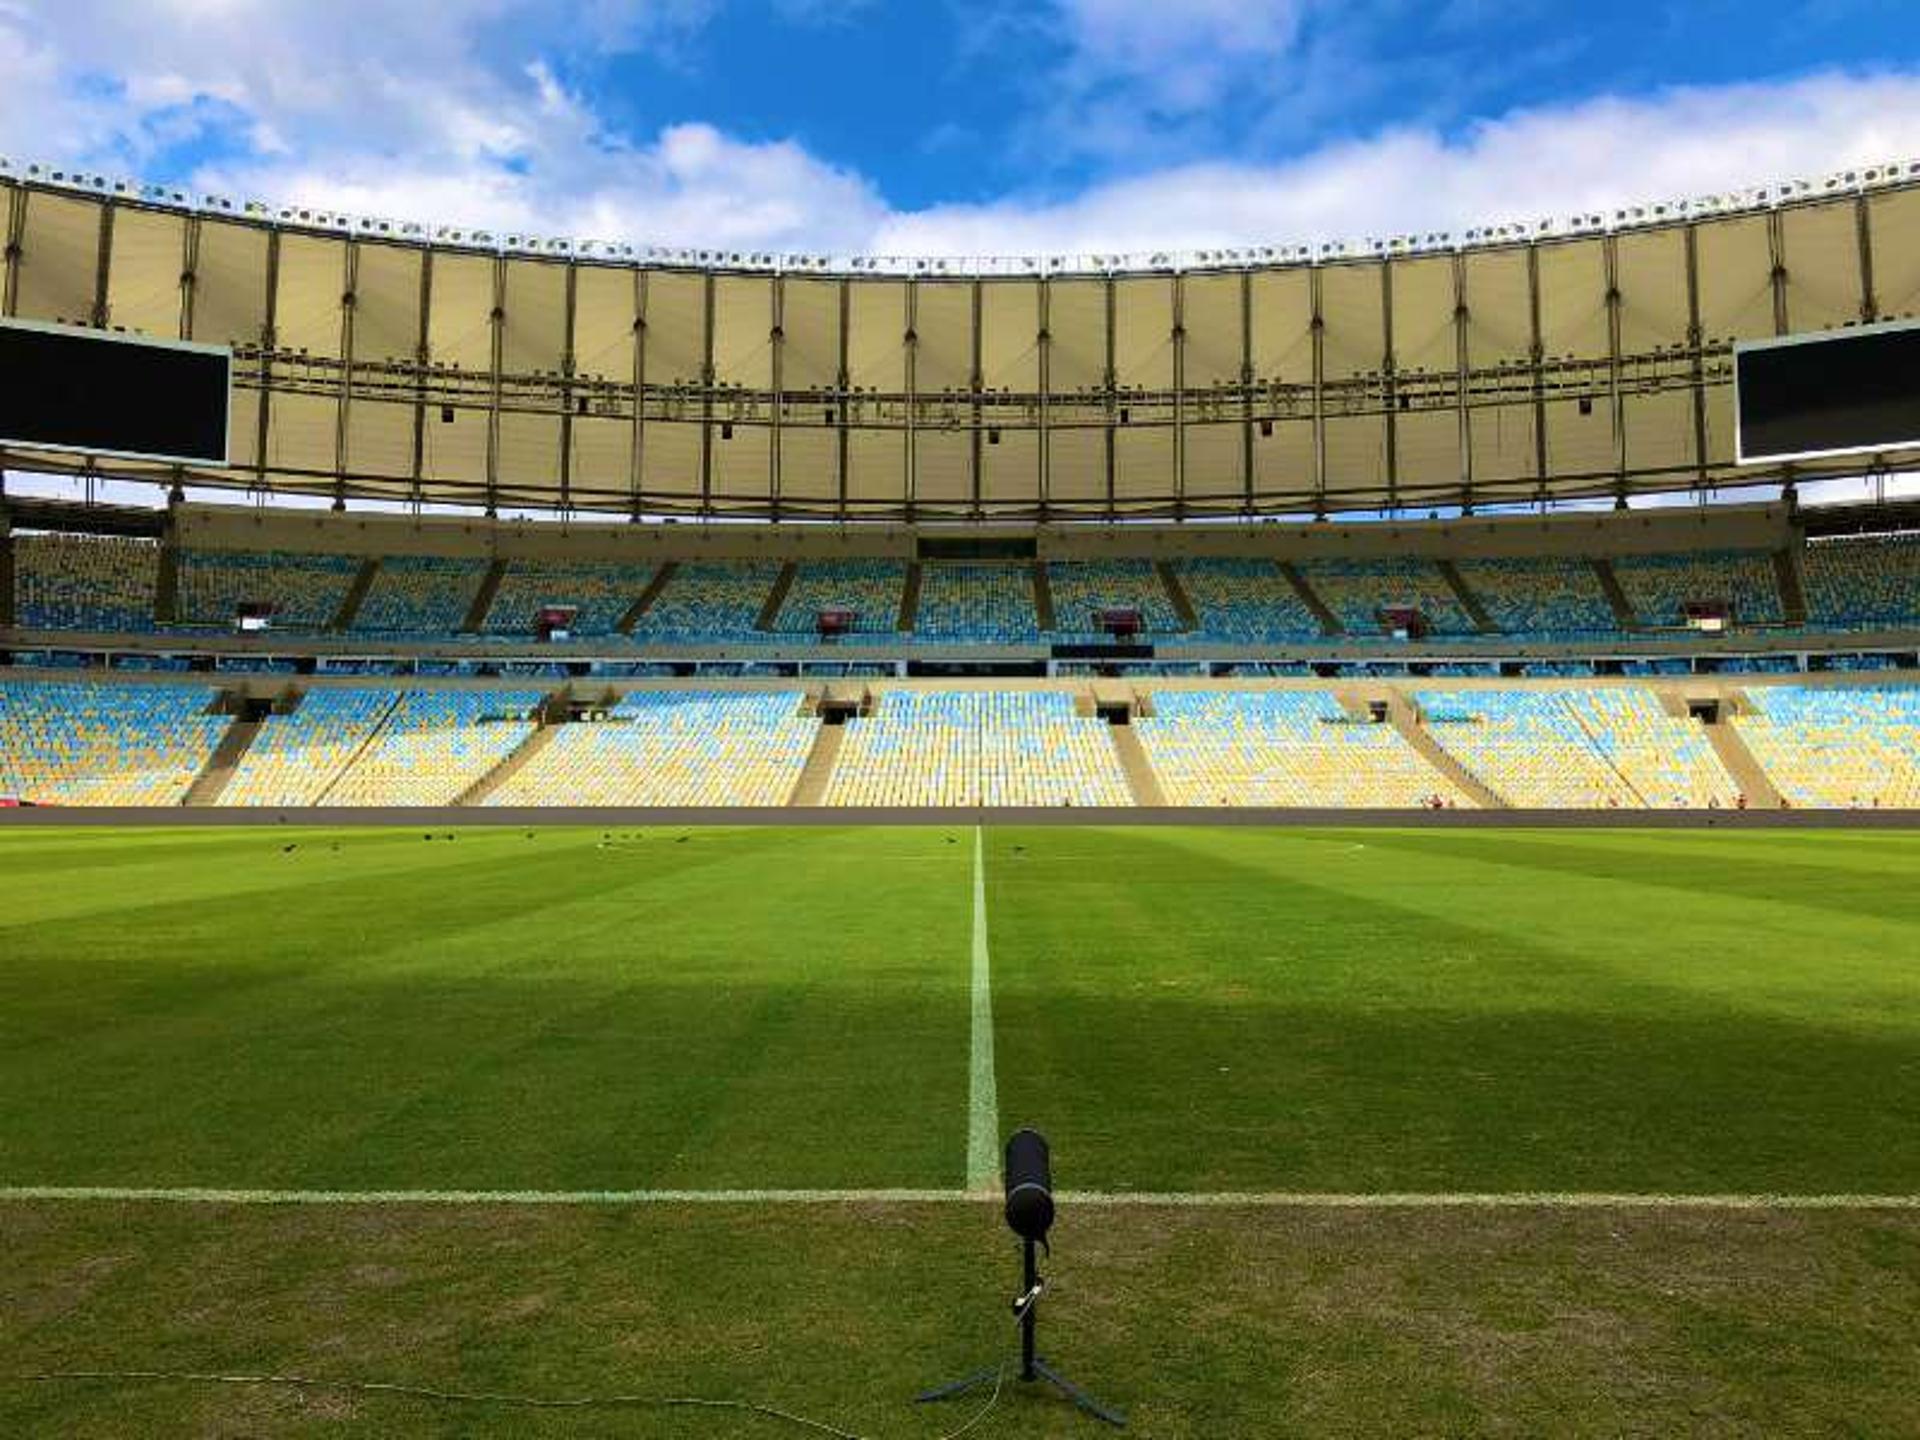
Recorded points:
(989, 127)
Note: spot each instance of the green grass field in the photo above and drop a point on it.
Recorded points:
(1364, 1013)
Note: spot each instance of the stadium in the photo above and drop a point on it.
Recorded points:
(562, 798)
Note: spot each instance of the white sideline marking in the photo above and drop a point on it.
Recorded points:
(1098, 1199)
(1480, 1200)
(983, 1098)
(191, 1195)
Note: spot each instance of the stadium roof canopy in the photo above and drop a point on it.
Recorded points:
(1558, 360)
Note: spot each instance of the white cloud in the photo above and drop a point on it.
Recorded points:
(459, 111)
(387, 107)
(1550, 161)
(1173, 56)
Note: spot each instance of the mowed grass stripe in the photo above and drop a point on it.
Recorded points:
(1227, 1010)
(1195, 1011)
(735, 1008)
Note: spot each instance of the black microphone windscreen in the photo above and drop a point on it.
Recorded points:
(1029, 1181)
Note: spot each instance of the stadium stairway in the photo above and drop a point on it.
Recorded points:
(6, 573)
(1042, 596)
(811, 788)
(477, 793)
(1329, 622)
(1793, 595)
(1469, 602)
(374, 732)
(1616, 597)
(1735, 758)
(1177, 595)
(776, 597)
(1135, 765)
(356, 596)
(1406, 718)
(647, 596)
(211, 782)
(166, 588)
(909, 600)
(483, 598)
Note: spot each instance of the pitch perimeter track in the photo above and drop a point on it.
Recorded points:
(445, 817)
(1101, 1199)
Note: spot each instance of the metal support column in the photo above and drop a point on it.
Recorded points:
(497, 326)
(777, 346)
(843, 381)
(1110, 383)
(189, 274)
(269, 342)
(422, 358)
(1246, 393)
(343, 407)
(1389, 384)
(911, 340)
(1179, 397)
(103, 269)
(569, 396)
(1863, 236)
(1044, 341)
(1319, 330)
(1537, 359)
(1462, 378)
(1697, 364)
(1616, 400)
(976, 383)
(637, 460)
(15, 251)
(1777, 270)
(706, 398)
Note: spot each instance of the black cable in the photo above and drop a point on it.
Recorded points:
(484, 1397)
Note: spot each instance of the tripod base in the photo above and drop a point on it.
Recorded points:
(1039, 1373)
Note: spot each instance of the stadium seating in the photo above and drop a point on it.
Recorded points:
(1667, 759)
(673, 747)
(1862, 582)
(1578, 748)
(420, 595)
(1541, 595)
(1357, 590)
(434, 745)
(871, 589)
(84, 582)
(599, 595)
(709, 600)
(1246, 602)
(1659, 587)
(978, 603)
(1081, 587)
(296, 759)
(1281, 748)
(977, 747)
(1855, 747)
(85, 743)
(305, 592)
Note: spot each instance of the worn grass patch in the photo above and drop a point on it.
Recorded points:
(1201, 1323)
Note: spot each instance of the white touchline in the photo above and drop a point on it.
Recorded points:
(1093, 1199)
(983, 1099)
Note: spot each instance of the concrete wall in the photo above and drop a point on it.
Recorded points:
(232, 527)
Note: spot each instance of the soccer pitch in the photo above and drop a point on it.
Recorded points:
(1361, 1124)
